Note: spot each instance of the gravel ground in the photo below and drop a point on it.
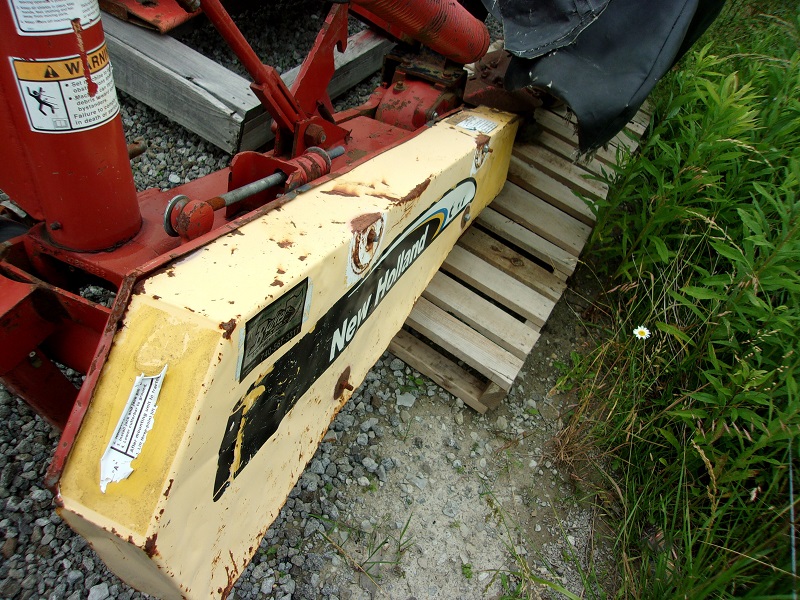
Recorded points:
(410, 495)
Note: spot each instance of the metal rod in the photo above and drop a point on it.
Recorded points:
(253, 188)
(259, 185)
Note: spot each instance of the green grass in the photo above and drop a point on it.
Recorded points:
(694, 426)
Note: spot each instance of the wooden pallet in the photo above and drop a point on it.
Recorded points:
(481, 315)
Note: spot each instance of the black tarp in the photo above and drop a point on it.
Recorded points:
(601, 57)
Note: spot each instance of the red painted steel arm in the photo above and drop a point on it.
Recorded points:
(311, 86)
(267, 86)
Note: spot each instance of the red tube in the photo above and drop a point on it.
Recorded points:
(64, 159)
(442, 25)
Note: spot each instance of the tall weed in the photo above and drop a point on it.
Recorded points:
(697, 421)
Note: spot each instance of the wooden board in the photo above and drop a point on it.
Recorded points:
(207, 98)
(481, 314)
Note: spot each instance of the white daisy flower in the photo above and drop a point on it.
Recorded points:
(641, 332)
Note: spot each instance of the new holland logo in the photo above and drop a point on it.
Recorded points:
(257, 416)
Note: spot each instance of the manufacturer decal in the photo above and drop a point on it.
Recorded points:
(256, 417)
(271, 328)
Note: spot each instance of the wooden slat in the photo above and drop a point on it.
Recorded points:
(626, 138)
(179, 82)
(205, 97)
(513, 263)
(563, 263)
(463, 342)
(569, 152)
(564, 129)
(540, 217)
(459, 382)
(637, 125)
(547, 188)
(493, 395)
(498, 285)
(561, 169)
(480, 314)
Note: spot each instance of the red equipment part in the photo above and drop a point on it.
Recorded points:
(68, 167)
(444, 26)
(163, 16)
(64, 159)
(190, 219)
(291, 120)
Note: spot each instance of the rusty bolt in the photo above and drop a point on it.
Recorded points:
(34, 359)
(399, 86)
(342, 384)
(55, 225)
(314, 135)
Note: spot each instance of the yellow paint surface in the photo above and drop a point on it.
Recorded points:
(151, 339)
(200, 546)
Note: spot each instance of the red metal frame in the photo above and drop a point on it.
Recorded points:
(162, 15)
(45, 322)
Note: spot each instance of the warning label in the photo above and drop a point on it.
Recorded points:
(34, 17)
(57, 92)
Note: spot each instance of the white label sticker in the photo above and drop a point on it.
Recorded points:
(34, 17)
(58, 95)
(478, 124)
(131, 431)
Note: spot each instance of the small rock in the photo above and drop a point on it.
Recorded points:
(450, 509)
(406, 399)
(369, 424)
(501, 423)
(30, 581)
(99, 592)
(362, 439)
(9, 548)
(363, 482)
(174, 178)
(266, 585)
(74, 576)
(419, 482)
(397, 365)
(38, 495)
(9, 588)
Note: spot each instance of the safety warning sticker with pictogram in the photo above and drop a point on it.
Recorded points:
(67, 94)
(34, 17)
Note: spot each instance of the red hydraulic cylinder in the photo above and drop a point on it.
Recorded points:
(443, 25)
(63, 159)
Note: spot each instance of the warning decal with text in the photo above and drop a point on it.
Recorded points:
(34, 17)
(57, 92)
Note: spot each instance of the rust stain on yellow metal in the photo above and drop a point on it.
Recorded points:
(199, 541)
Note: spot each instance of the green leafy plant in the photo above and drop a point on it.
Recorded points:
(693, 423)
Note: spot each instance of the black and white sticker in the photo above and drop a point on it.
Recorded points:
(35, 17)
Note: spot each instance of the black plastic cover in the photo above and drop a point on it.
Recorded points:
(604, 58)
